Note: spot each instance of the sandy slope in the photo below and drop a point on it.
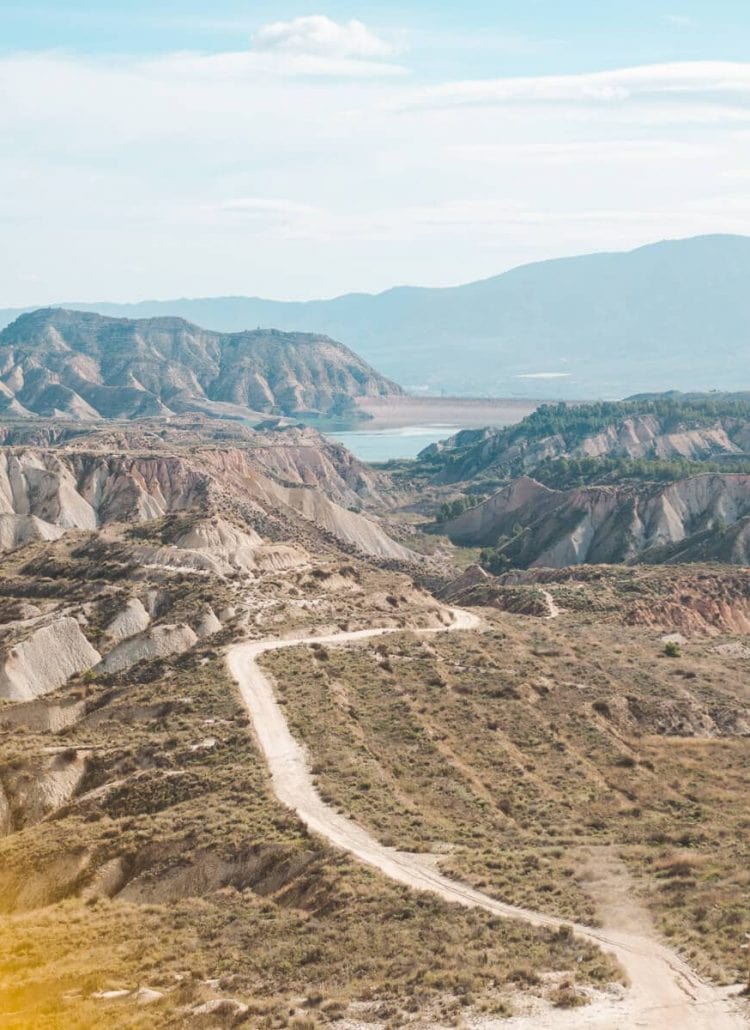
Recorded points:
(664, 991)
(554, 608)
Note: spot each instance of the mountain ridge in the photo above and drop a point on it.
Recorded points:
(604, 524)
(60, 363)
(604, 324)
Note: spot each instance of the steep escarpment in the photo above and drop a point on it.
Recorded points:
(293, 454)
(536, 526)
(78, 489)
(302, 457)
(82, 366)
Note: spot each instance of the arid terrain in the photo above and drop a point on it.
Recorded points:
(274, 752)
(374, 516)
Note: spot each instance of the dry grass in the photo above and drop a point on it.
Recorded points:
(509, 750)
(223, 893)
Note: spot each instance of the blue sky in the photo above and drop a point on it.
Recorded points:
(477, 38)
(296, 150)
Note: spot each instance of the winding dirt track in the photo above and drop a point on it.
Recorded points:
(664, 992)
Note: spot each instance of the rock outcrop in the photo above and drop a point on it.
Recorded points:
(207, 624)
(78, 489)
(231, 546)
(538, 526)
(302, 457)
(159, 642)
(45, 660)
(17, 530)
(132, 619)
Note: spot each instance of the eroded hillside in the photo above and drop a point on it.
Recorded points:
(276, 479)
(72, 364)
(549, 753)
(657, 479)
(148, 877)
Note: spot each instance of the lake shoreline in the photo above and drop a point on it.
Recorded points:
(398, 412)
(398, 428)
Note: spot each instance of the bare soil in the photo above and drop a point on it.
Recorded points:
(466, 412)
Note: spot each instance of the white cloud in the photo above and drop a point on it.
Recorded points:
(679, 79)
(199, 173)
(321, 36)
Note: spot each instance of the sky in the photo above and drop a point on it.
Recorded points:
(296, 150)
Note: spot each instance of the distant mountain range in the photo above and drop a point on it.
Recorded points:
(80, 365)
(671, 315)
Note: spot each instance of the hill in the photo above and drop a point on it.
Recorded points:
(80, 365)
(287, 482)
(674, 314)
(170, 856)
(656, 479)
(535, 526)
(667, 428)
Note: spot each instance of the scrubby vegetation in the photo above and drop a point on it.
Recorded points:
(492, 457)
(574, 421)
(566, 473)
(219, 893)
(450, 509)
(512, 752)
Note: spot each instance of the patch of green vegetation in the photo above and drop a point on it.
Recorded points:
(567, 473)
(452, 509)
(575, 421)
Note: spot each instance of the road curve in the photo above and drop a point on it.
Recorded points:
(664, 991)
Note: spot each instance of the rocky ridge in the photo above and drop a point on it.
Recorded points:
(85, 491)
(485, 452)
(81, 366)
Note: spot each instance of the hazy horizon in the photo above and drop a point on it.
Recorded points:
(137, 301)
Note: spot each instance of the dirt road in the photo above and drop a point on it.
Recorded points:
(664, 992)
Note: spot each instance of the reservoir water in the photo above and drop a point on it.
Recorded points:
(387, 444)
